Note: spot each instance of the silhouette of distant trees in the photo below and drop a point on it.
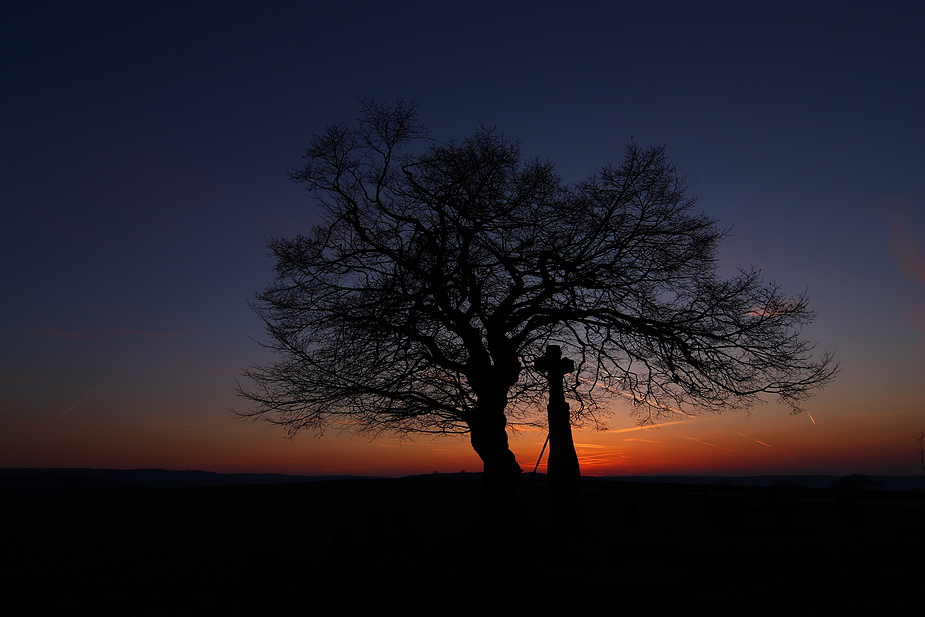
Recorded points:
(855, 482)
(921, 441)
(441, 270)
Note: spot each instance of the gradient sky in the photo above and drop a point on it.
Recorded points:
(144, 164)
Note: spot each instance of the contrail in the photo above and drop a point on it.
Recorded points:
(706, 443)
(648, 426)
(77, 403)
(84, 396)
(753, 439)
(811, 417)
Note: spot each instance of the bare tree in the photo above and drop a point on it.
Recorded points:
(441, 271)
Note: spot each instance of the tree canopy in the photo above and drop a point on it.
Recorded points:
(440, 270)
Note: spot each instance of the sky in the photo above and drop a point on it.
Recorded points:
(146, 149)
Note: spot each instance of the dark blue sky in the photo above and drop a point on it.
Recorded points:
(145, 158)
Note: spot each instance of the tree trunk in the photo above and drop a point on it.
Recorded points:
(501, 473)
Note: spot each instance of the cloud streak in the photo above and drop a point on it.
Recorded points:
(907, 252)
(104, 332)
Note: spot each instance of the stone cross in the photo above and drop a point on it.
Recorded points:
(562, 468)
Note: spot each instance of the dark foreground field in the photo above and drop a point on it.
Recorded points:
(416, 544)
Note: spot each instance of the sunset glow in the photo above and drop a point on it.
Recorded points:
(145, 168)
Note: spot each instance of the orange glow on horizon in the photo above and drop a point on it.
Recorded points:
(842, 440)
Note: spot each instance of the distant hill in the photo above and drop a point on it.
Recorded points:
(55, 481)
(65, 480)
(889, 483)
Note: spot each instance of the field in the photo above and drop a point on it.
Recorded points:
(419, 544)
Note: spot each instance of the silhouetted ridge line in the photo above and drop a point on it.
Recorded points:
(64, 480)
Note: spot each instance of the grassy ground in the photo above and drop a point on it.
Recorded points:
(418, 544)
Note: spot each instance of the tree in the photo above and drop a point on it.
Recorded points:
(442, 270)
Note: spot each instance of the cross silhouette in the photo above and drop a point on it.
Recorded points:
(555, 367)
(562, 469)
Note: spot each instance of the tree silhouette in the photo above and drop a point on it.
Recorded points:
(442, 270)
(921, 441)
